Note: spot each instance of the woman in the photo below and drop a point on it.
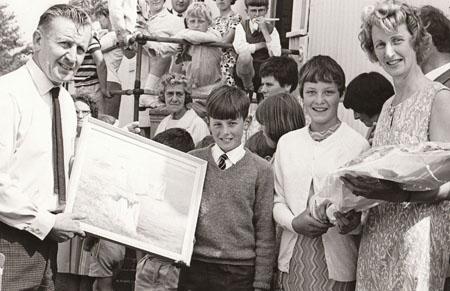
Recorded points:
(85, 107)
(365, 95)
(278, 115)
(404, 245)
(315, 255)
(226, 24)
(175, 93)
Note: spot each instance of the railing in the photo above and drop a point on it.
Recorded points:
(141, 39)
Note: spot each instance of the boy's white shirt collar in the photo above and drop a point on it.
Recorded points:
(234, 156)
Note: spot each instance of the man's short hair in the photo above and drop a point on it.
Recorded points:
(77, 15)
(177, 138)
(256, 3)
(227, 102)
(438, 25)
(283, 69)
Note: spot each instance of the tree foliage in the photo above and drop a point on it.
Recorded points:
(13, 51)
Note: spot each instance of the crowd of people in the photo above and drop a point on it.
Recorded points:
(268, 152)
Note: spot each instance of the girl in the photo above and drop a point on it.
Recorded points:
(315, 255)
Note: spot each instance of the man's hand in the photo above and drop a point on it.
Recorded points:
(66, 227)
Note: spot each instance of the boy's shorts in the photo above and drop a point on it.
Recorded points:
(156, 274)
(108, 259)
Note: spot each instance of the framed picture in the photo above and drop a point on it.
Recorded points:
(135, 191)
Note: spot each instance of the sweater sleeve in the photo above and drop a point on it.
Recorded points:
(264, 230)
(281, 212)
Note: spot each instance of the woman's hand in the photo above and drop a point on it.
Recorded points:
(305, 224)
(346, 222)
(373, 188)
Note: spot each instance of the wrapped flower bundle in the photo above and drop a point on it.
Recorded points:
(416, 167)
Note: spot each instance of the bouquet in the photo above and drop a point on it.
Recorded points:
(416, 167)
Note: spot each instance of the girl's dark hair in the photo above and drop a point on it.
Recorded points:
(367, 93)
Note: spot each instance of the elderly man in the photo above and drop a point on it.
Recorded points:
(38, 125)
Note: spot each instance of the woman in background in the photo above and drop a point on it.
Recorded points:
(226, 24)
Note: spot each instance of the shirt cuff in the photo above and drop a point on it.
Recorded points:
(41, 225)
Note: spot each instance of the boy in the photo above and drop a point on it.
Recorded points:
(234, 248)
(255, 41)
(278, 75)
(154, 272)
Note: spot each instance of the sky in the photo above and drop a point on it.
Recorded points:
(27, 14)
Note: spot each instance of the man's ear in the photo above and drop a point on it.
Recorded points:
(37, 39)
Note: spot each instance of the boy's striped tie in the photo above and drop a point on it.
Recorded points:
(222, 165)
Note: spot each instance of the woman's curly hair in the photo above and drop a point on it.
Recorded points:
(172, 79)
(388, 15)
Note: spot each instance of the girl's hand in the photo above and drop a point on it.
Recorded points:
(373, 188)
(305, 224)
(346, 222)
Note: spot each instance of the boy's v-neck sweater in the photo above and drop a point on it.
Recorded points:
(235, 223)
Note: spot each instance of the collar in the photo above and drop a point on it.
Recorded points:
(43, 84)
(171, 11)
(161, 13)
(234, 155)
(434, 74)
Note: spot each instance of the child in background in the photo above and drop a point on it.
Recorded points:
(200, 63)
(234, 247)
(255, 41)
(155, 272)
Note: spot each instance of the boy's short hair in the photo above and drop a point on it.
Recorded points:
(256, 3)
(227, 102)
(284, 69)
(177, 138)
(367, 93)
(280, 114)
(322, 69)
(199, 10)
(171, 79)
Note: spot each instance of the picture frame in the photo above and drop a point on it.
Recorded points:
(136, 192)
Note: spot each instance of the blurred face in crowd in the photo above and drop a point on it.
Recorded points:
(270, 87)
(227, 133)
(394, 50)
(83, 112)
(321, 101)
(180, 5)
(256, 11)
(197, 23)
(59, 48)
(223, 5)
(175, 96)
(366, 119)
(155, 6)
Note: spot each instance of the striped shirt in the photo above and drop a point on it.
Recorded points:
(87, 73)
